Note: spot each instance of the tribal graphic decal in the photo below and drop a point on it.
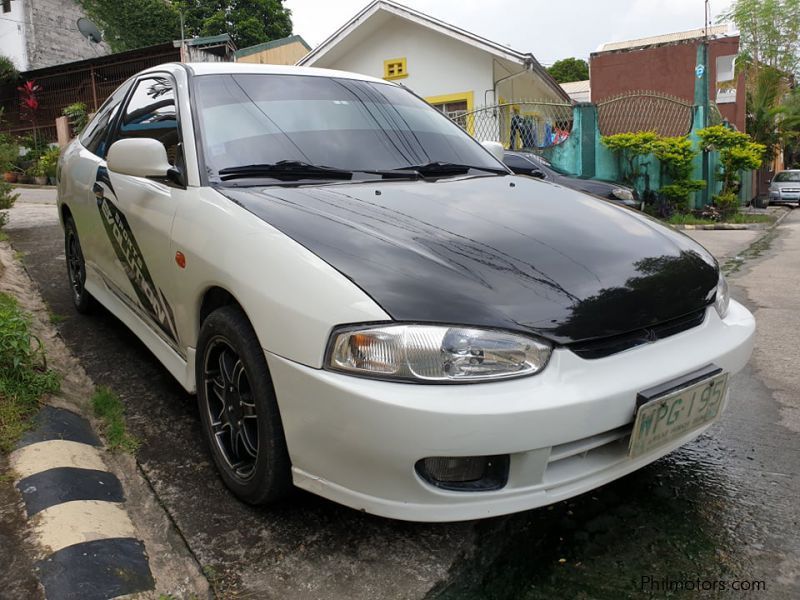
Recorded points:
(126, 248)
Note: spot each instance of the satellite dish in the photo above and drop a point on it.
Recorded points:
(89, 30)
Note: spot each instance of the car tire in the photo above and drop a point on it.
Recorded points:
(239, 410)
(76, 268)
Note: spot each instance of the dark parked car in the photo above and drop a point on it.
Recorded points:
(527, 163)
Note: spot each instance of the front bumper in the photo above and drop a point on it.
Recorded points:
(356, 440)
(784, 196)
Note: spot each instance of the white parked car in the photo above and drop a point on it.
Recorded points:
(785, 187)
(372, 307)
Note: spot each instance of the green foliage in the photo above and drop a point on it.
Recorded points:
(675, 155)
(769, 32)
(737, 152)
(129, 24)
(629, 147)
(8, 72)
(78, 115)
(48, 164)
(249, 22)
(727, 203)
(8, 156)
(34, 147)
(766, 87)
(110, 410)
(569, 69)
(9, 152)
(24, 377)
(7, 199)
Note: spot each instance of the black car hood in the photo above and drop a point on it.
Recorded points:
(505, 252)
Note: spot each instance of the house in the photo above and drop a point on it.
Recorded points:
(40, 33)
(285, 51)
(213, 48)
(579, 91)
(453, 69)
(92, 80)
(667, 64)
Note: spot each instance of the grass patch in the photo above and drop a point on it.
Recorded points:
(24, 376)
(56, 318)
(109, 409)
(738, 218)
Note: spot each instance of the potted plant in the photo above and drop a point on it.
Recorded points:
(38, 172)
(49, 163)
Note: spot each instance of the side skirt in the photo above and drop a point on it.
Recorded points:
(180, 368)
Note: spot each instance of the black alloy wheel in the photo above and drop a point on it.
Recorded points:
(238, 409)
(231, 407)
(76, 268)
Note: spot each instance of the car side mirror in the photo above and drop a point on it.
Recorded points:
(139, 157)
(495, 149)
(538, 174)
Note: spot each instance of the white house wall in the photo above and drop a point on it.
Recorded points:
(12, 35)
(437, 65)
(526, 86)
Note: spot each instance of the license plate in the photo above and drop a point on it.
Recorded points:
(669, 417)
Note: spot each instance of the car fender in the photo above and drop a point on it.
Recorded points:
(292, 297)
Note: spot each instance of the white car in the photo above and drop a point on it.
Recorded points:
(372, 307)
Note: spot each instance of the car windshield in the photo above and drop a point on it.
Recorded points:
(787, 176)
(300, 121)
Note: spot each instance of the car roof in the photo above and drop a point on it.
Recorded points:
(225, 68)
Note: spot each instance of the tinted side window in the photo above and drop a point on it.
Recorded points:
(151, 113)
(95, 136)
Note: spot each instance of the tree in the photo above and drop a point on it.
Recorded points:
(248, 22)
(569, 69)
(675, 156)
(769, 56)
(129, 24)
(629, 148)
(769, 32)
(737, 152)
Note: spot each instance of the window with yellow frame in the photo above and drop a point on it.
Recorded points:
(395, 68)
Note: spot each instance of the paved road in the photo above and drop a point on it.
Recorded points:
(723, 508)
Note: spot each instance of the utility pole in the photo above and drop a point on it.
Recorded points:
(183, 38)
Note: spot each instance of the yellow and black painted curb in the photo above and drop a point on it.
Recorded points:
(89, 549)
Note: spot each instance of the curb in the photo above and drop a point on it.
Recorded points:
(75, 509)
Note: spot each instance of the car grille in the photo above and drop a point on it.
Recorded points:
(612, 345)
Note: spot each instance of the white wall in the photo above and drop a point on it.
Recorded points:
(12, 35)
(437, 65)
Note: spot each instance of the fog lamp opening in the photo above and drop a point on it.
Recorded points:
(465, 473)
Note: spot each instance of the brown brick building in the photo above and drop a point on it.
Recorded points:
(667, 64)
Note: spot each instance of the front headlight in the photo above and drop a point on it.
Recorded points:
(622, 194)
(434, 353)
(722, 299)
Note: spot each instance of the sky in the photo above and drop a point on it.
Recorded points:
(550, 29)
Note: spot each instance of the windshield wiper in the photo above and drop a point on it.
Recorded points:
(444, 169)
(284, 170)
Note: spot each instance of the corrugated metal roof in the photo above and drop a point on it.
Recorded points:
(576, 86)
(667, 38)
(270, 45)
